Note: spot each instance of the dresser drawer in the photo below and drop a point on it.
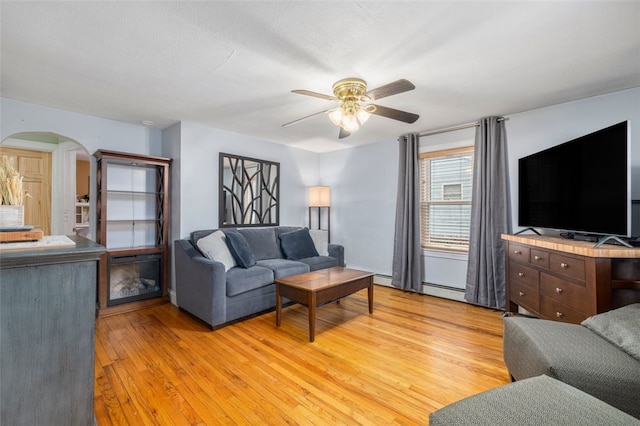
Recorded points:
(540, 258)
(566, 265)
(554, 310)
(519, 253)
(524, 296)
(524, 275)
(569, 294)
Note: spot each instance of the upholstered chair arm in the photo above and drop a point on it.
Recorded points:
(200, 284)
(337, 251)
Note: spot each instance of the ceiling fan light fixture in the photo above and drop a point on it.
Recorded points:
(336, 116)
(350, 123)
(351, 92)
(362, 115)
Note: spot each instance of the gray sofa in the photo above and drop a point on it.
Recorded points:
(600, 357)
(219, 295)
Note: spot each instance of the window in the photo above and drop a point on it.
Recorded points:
(446, 179)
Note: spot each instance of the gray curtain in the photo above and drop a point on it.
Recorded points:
(406, 246)
(490, 216)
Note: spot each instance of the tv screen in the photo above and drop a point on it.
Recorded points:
(579, 186)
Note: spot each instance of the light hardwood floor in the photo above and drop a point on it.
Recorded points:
(413, 355)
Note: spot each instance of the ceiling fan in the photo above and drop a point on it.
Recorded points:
(352, 93)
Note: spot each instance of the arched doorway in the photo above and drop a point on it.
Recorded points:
(56, 172)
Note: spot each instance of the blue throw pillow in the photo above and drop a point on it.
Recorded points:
(240, 249)
(297, 244)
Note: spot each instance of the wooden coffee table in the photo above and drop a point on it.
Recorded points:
(317, 288)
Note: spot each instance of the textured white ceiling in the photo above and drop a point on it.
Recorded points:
(232, 65)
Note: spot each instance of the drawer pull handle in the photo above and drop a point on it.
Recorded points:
(521, 293)
(564, 265)
(517, 252)
(558, 290)
(521, 274)
(559, 314)
(537, 257)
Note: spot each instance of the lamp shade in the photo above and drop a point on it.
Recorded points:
(319, 196)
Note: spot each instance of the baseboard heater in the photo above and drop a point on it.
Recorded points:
(430, 289)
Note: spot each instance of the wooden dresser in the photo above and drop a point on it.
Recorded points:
(566, 280)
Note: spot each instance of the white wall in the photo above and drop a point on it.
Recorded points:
(171, 149)
(363, 179)
(197, 173)
(91, 132)
(535, 130)
(363, 183)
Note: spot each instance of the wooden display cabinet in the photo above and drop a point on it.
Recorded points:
(132, 222)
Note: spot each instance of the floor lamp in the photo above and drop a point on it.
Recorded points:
(320, 198)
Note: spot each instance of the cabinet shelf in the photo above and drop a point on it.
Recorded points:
(132, 222)
(625, 284)
(124, 192)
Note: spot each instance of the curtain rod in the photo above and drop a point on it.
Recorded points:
(458, 127)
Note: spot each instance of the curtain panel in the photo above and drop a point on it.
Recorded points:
(406, 248)
(490, 216)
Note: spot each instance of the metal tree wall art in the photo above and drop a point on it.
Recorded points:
(248, 192)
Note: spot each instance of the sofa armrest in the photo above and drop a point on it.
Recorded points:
(575, 355)
(337, 251)
(200, 284)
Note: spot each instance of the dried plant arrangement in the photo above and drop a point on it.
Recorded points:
(11, 190)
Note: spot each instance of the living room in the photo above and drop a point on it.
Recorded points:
(360, 200)
(362, 176)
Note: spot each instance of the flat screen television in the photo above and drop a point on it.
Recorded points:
(581, 186)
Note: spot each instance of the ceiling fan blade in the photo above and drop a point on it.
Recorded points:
(394, 114)
(343, 133)
(316, 95)
(304, 118)
(394, 88)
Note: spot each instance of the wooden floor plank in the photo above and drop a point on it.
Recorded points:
(413, 355)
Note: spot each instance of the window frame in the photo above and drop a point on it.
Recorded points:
(442, 153)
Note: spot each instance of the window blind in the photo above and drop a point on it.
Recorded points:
(445, 198)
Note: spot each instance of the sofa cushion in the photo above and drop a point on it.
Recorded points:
(196, 235)
(201, 233)
(284, 229)
(576, 356)
(320, 239)
(297, 244)
(241, 280)
(263, 242)
(536, 401)
(320, 262)
(240, 250)
(621, 327)
(214, 246)
(283, 267)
